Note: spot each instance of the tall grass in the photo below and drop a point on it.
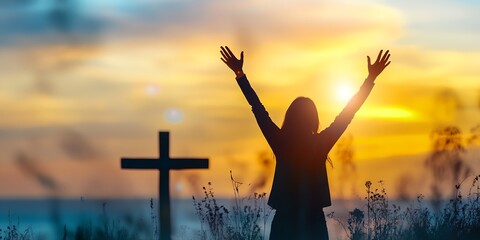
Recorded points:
(459, 218)
(13, 231)
(245, 219)
(126, 228)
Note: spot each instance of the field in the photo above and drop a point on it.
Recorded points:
(243, 217)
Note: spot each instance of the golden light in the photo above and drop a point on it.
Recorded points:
(344, 92)
(391, 112)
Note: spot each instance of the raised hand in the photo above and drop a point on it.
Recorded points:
(381, 63)
(232, 62)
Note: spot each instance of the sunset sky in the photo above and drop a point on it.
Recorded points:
(86, 83)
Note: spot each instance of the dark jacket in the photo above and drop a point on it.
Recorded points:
(300, 173)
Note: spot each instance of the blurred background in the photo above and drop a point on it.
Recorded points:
(84, 83)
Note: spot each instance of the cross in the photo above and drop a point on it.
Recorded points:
(164, 164)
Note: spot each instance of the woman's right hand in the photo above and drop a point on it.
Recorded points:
(232, 62)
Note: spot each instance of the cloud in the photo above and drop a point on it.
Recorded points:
(91, 100)
(50, 22)
(29, 167)
(77, 146)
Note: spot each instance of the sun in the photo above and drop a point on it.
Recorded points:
(344, 92)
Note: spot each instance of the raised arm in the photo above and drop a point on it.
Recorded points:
(268, 127)
(336, 129)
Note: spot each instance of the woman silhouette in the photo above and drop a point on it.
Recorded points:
(300, 186)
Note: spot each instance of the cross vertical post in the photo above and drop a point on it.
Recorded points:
(164, 186)
(164, 164)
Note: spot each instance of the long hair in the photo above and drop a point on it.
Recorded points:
(301, 119)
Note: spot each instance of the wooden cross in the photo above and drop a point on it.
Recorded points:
(164, 164)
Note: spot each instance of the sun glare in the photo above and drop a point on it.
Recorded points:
(344, 92)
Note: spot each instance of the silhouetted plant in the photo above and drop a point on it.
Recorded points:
(458, 219)
(347, 169)
(355, 224)
(419, 220)
(211, 214)
(242, 222)
(12, 231)
(475, 135)
(446, 162)
(125, 228)
(383, 218)
(153, 219)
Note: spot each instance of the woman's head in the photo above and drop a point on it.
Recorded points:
(301, 117)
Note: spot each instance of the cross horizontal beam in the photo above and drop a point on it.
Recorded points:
(152, 163)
